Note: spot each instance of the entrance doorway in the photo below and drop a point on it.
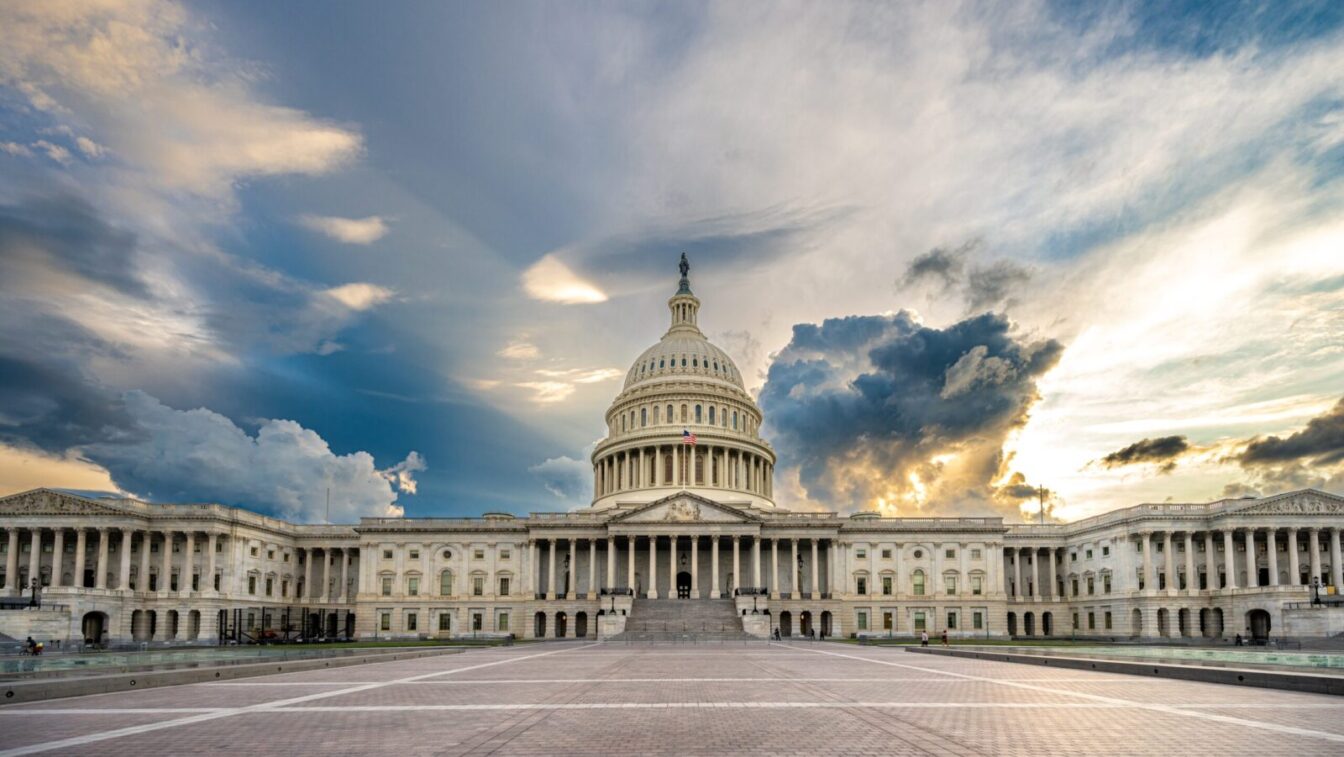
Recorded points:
(581, 624)
(561, 625)
(683, 585)
(1258, 622)
(94, 626)
(785, 624)
(805, 623)
(539, 626)
(1047, 624)
(826, 623)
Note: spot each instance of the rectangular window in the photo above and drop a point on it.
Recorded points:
(1091, 585)
(478, 586)
(887, 621)
(387, 586)
(255, 551)
(1091, 621)
(861, 554)
(862, 585)
(478, 554)
(861, 620)
(385, 621)
(919, 583)
(1106, 583)
(1089, 554)
(504, 587)
(977, 585)
(270, 554)
(195, 581)
(270, 582)
(1075, 587)
(1105, 551)
(411, 621)
(1073, 557)
(503, 625)
(284, 588)
(975, 554)
(478, 621)
(415, 554)
(172, 583)
(886, 554)
(387, 554)
(445, 621)
(446, 584)
(1075, 621)
(919, 621)
(1106, 619)
(504, 554)
(951, 621)
(413, 586)
(217, 579)
(251, 584)
(949, 554)
(886, 585)
(951, 582)
(286, 557)
(977, 620)
(1161, 581)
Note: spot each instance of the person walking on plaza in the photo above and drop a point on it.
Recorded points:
(923, 638)
(944, 637)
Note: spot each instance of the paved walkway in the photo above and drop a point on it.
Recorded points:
(780, 699)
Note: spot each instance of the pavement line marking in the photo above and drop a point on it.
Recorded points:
(482, 681)
(1169, 709)
(91, 738)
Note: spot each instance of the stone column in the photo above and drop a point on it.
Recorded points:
(1210, 562)
(1272, 549)
(343, 593)
(1017, 572)
(124, 574)
(672, 566)
(816, 578)
(1336, 569)
(1149, 578)
(611, 562)
(100, 575)
(57, 548)
(1294, 567)
(793, 569)
(142, 581)
(773, 583)
(573, 592)
(166, 565)
(592, 568)
(324, 593)
(1169, 560)
(653, 567)
(1229, 559)
(756, 560)
(550, 570)
(34, 557)
(1252, 567)
(695, 566)
(1314, 546)
(737, 563)
(1191, 578)
(307, 592)
(714, 566)
(211, 544)
(630, 564)
(676, 465)
(12, 562)
(188, 562)
(1054, 580)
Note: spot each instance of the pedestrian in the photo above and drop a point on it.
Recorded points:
(923, 638)
(1238, 642)
(944, 637)
(29, 646)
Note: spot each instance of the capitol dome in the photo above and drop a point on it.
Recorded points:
(681, 388)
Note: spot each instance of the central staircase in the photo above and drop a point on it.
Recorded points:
(690, 620)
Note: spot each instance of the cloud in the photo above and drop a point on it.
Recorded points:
(983, 286)
(361, 295)
(196, 124)
(881, 411)
(348, 230)
(939, 264)
(550, 280)
(566, 478)
(520, 350)
(89, 147)
(283, 470)
(15, 149)
(55, 152)
(1162, 451)
(1321, 443)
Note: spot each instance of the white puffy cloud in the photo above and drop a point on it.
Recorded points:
(283, 470)
(520, 350)
(347, 230)
(360, 295)
(550, 280)
(56, 152)
(89, 147)
(566, 478)
(15, 149)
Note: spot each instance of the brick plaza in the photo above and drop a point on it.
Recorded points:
(572, 698)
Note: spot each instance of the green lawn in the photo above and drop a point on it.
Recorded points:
(372, 644)
(906, 641)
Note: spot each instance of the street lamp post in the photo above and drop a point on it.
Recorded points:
(37, 588)
(1316, 590)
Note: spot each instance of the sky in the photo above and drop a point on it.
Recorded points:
(1029, 259)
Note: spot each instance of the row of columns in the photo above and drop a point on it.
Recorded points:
(721, 468)
(1249, 537)
(652, 564)
(102, 566)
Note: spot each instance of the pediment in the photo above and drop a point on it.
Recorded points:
(685, 508)
(52, 502)
(1304, 502)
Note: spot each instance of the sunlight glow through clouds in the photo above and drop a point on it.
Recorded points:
(551, 280)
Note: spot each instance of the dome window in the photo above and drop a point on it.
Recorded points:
(711, 415)
(716, 366)
(661, 364)
(643, 417)
(734, 420)
(695, 362)
(683, 362)
(697, 414)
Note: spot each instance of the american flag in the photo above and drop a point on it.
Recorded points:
(687, 437)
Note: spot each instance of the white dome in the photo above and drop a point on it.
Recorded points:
(681, 355)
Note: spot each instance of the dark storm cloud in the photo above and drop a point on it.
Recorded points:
(983, 286)
(1163, 450)
(66, 233)
(54, 407)
(1321, 443)
(860, 403)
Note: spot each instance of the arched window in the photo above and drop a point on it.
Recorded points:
(662, 362)
(446, 583)
(723, 417)
(670, 418)
(697, 414)
(695, 362)
(918, 578)
(655, 414)
(643, 417)
(711, 415)
(683, 361)
(734, 420)
(622, 422)
(683, 413)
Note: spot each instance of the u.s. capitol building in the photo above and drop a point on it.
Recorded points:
(688, 536)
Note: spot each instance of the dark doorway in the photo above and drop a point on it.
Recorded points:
(94, 626)
(561, 625)
(581, 624)
(805, 623)
(1258, 622)
(785, 624)
(683, 585)
(539, 626)
(1047, 624)
(826, 623)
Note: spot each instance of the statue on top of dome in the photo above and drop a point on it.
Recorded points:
(685, 267)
